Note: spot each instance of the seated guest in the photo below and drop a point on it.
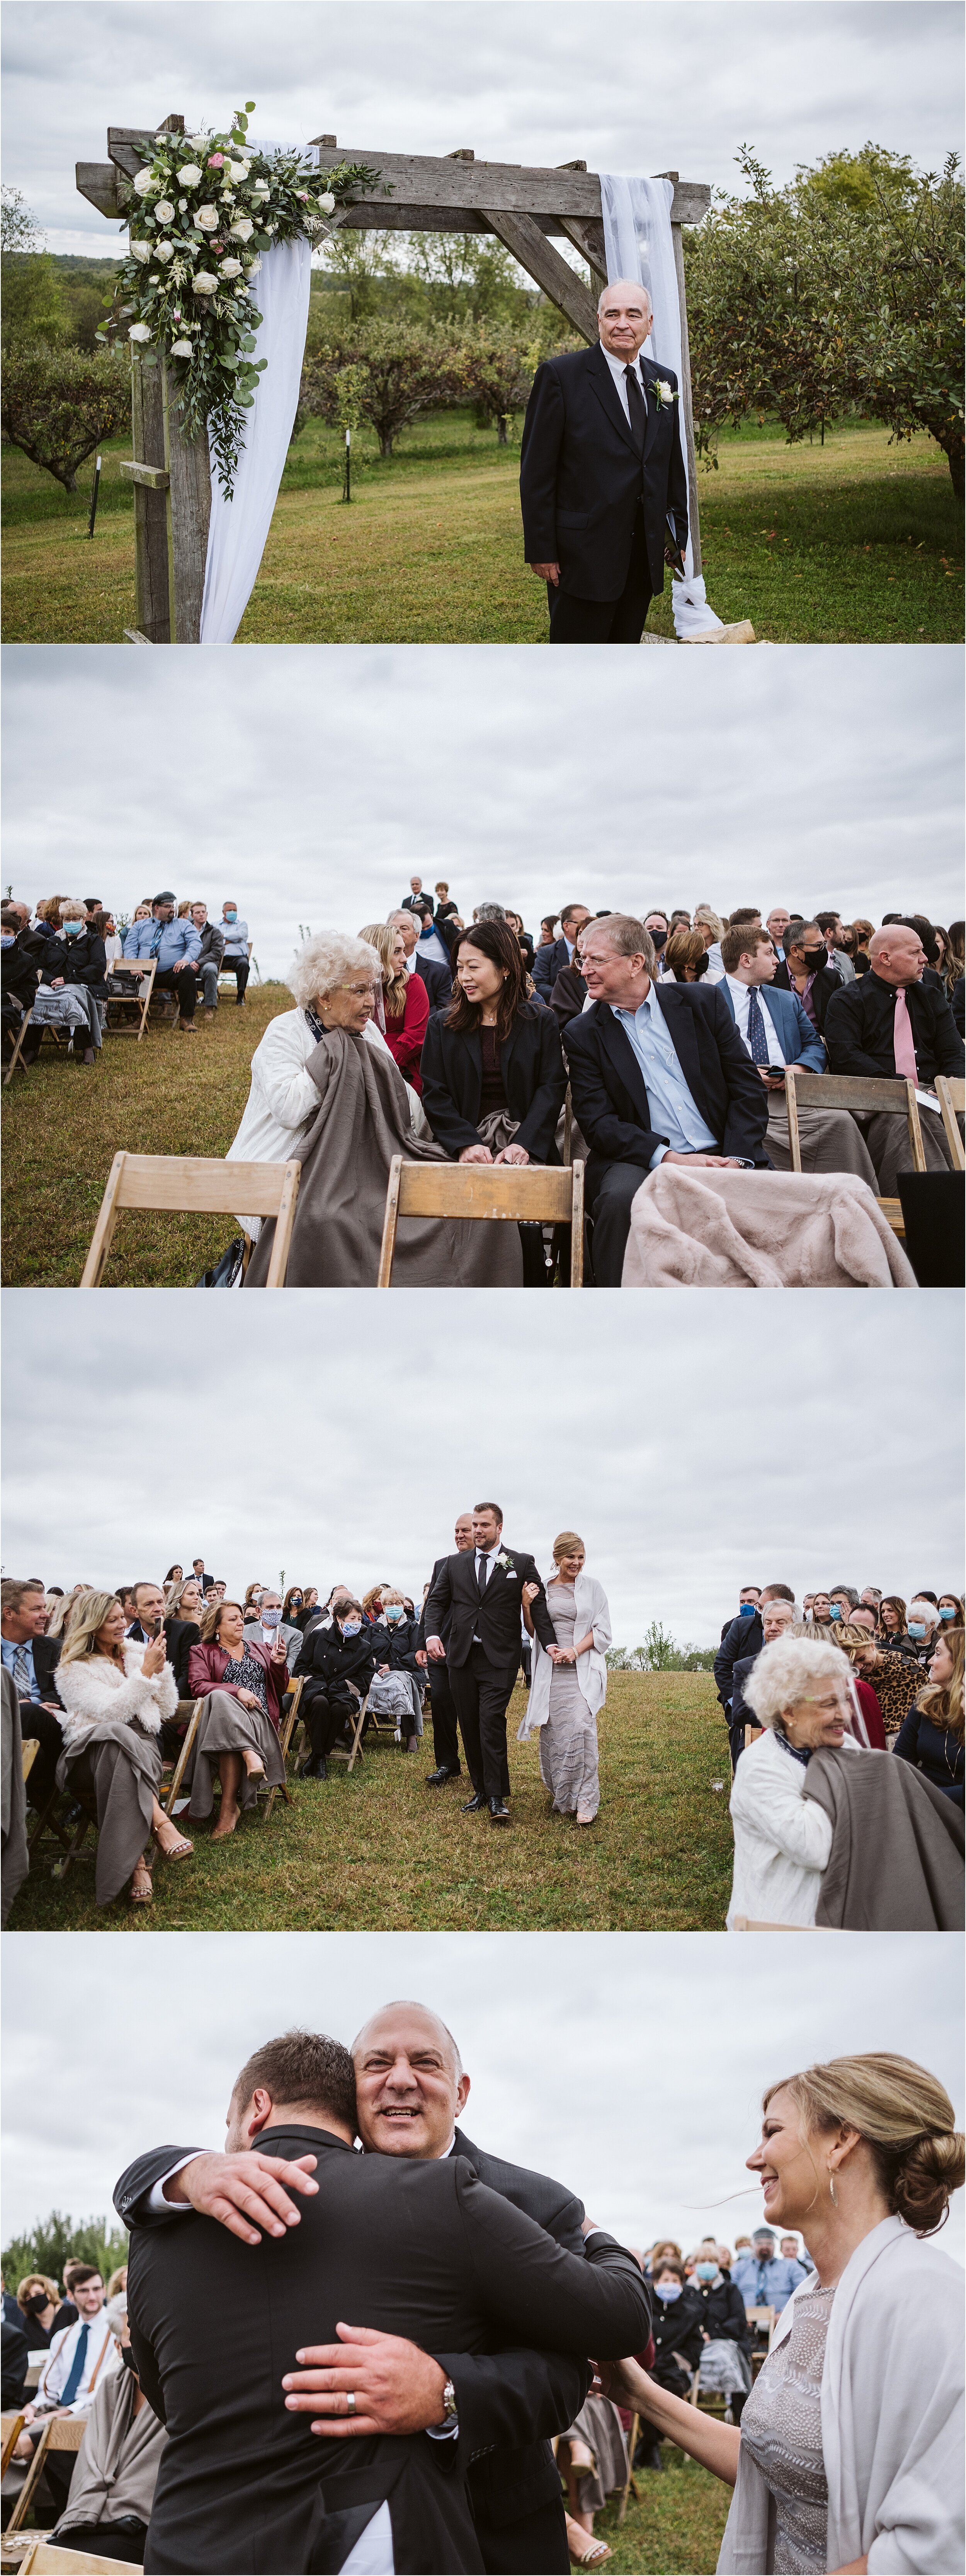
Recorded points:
(242, 1683)
(763, 2276)
(14, 2359)
(711, 928)
(338, 1663)
(686, 956)
(893, 1679)
(174, 944)
(78, 2361)
(116, 1694)
(677, 2321)
(931, 1735)
(39, 2302)
(855, 1642)
(806, 971)
(924, 1624)
(776, 1032)
(116, 2470)
(860, 956)
(402, 1634)
(437, 980)
(799, 1695)
(493, 1071)
(569, 992)
(31, 1657)
(209, 958)
(269, 1625)
(235, 952)
(19, 965)
(405, 1001)
(73, 979)
(515, 923)
(788, 2247)
(553, 955)
(726, 2336)
(183, 1607)
(657, 1072)
(950, 1609)
(889, 1023)
(777, 1616)
(891, 1631)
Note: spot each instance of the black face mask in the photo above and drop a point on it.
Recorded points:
(36, 2303)
(815, 957)
(658, 939)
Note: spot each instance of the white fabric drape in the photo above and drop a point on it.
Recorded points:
(238, 528)
(639, 243)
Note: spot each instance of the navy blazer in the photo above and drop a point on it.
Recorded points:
(609, 1093)
(799, 1042)
(534, 1079)
(582, 479)
(549, 962)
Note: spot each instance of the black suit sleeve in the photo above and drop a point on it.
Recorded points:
(539, 1612)
(616, 1139)
(438, 1600)
(507, 2400)
(140, 2177)
(592, 2302)
(677, 482)
(540, 446)
(141, 2345)
(725, 1659)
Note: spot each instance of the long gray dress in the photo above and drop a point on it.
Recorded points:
(568, 1741)
(782, 2428)
(226, 1727)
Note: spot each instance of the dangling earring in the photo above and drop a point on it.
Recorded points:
(832, 2190)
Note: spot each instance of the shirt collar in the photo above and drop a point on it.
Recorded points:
(617, 365)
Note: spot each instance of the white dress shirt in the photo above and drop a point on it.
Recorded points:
(617, 367)
(670, 1101)
(97, 2363)
(741, 997)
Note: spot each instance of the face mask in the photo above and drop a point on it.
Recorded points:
(271, 1618)
(947, 1614)
(72, 929)
(231, 916)
(747, 1610)
(296, 1601)
(396, 1613)
(814, 957)
(705, 2271)
(658, 938)
(351, 1627)
(7, 939)
(917, 1628)
(835, 1612)
(669, 2290)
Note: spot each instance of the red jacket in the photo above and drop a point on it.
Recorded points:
(206, 1665)
(404, 1037)
(872, 1714)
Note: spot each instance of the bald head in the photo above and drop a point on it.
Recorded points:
(624, 317)
(410, 2084)
(896, 954)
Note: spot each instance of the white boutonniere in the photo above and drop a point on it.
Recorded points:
(507, 1563)
(663, 393)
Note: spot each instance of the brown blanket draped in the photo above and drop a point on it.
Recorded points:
(363, 1121)
(896, 1863)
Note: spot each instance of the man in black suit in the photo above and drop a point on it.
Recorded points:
(437, 2264)
(601, 476)
(446, 1744)
(482, 1596)
(32, 1660)
(657, 1073)
(887, 1022)
(550, 961)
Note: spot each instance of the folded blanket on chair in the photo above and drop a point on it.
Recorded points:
(732, 1229)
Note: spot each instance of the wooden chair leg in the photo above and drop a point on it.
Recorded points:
(15, 1058)
(357, 1737)
(31, 2480)
(390, 1223)
(190, 1732)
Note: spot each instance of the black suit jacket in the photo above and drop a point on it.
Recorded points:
(421, 2249)
(443, 1632)
(437, 980)
(549, 962)
(742, 1641)
(854, 1024)
(534, 1079)
(47, 1652)
(610, 1095)
(582, 480)
(495, 1618)
(180, 1636)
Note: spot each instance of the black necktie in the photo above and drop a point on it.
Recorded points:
(481, 1575)
(636, 406)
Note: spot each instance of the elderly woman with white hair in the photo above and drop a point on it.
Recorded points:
(327, 1093)
(800, 1696)
(112, 2488)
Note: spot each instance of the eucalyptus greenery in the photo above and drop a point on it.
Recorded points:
(202, 212)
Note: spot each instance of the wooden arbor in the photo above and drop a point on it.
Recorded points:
(528, 210)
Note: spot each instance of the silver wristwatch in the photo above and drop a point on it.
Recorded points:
(450, 2408)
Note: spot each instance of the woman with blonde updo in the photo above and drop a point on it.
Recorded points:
(570, 1686)
(848, 2457)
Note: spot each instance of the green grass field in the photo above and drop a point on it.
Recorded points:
(675, 2526)
(378, 1851)
(807, 541)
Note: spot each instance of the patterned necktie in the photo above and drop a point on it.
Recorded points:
(76, 2371)
(636, 406)
(21, 1672)
(903, 1043)
(756, 1029)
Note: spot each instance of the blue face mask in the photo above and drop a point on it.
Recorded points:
(395, 1611)
(835, 1612)
(916, 1628)
(947, 1614)
(71, 929)
(747, 1609)
(705, 2271)
(351, 1627)
(231, 916)
(7, 939)
(669, 2290)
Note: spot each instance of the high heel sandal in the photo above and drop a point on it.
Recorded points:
(140, 1893)
(585, 2551)
(175, 1851)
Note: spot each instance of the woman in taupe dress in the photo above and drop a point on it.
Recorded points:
(569, 1686)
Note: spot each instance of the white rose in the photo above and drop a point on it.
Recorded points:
(207, 219)
(261, 188)
(190, 176)
(230, 268)
(181, 349)
(198, 142)
(164, 250)
(243, 229)
(164, 211)
(139, 331)
(327, 204)
(204, 283)
(143, 183)
(238, 169)
(664, 389)
(255, 268)
(140, 250)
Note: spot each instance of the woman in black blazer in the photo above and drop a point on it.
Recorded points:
(492, 1065)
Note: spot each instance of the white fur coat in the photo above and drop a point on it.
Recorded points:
(93, 1689)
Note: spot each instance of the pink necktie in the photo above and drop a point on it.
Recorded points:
(902, 1040)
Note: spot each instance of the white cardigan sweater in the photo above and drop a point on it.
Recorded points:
(590, 1604)
(94, 1689)
(892, 2417)
(782, 1838)
(283, 1100)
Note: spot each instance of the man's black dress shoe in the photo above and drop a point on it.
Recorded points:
(313, 1770)
(499, 1814)
(435, 1779)
(474, 1804)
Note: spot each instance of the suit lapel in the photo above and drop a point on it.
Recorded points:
(599, 376)
(650, 374)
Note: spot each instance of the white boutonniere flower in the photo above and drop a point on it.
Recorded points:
(507, 1563)
(663, 393)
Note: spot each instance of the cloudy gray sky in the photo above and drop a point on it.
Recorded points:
(311, 784)
(674, 2035)
(678, 84)
(696, 1442)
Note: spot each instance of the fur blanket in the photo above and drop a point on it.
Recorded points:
(732, 1229)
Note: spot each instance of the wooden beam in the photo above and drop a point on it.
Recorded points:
(153, 477)
(190, 511)
(151, 502)
(587, 236)
(537, 255)
(97, 181)
(459, 186)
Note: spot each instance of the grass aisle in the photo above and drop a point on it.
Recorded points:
(854, 542)
(676, 2525)
(381, 1852)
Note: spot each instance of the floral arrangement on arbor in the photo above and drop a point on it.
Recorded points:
(203, 210)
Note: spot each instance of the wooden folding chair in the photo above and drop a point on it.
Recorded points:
(139, 1000)
(857, 1092)
(766, 2318)
(286, 1737)
(750, 1734)
(44, 2558)
(715, 2399)
(743, 1923)
(18, 1043)
(547, 1193)
(188, 1185)
(29, 1750)
(568, 1127)
(629, 2486)
(59, 2433)
(194, 1707)
(357, 1733)
(951, 1095)
(11, 2427)
(46, 1027)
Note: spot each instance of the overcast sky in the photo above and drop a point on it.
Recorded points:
(697, 1442)
(311, 784)
(629, 2065)
(622, 86)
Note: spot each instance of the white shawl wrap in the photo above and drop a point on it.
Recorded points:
(93, 1690)
(892, 2418)
(590, 1603)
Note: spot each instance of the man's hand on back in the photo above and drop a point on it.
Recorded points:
(397, 2387)
(244, 2192)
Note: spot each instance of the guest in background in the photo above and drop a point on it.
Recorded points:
(210, 954)
(242, 1683)
(553, 955)
(922, 1625)
(116, 1695)
(726, 2344)
(78, 2361)
(891, 1023)
(894, 1679)
(891, 1633)
(950, 1609)
(31, 1656)
(235, 953)
(931, 1736)
(183, 1606)
(436, 979)
(269, 1628)
(677, 2325)
(174, 945)
(112, 2487)
(855, 1642)
(404, 998)
(686, 956)
(338, 1664)
(403, 1634)
(806, 971)
(493, 1071)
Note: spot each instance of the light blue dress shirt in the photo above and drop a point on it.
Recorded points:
(671, 1105)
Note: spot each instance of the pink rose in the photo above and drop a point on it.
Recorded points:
(217, 161)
